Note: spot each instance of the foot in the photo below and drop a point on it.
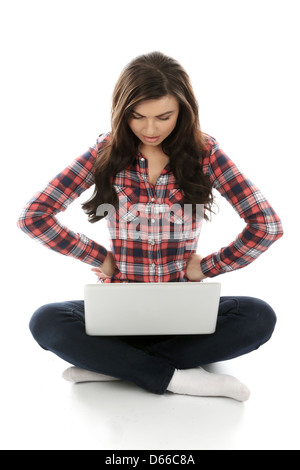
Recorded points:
(75, 374)
(199, 382)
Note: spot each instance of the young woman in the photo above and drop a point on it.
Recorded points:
(154, 169)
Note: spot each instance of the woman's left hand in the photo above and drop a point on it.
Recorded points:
(193, 269)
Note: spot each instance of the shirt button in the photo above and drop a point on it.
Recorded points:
(153, 266)
(152, 221)
(142, 159)
(152, 199)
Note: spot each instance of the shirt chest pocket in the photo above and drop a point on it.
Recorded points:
(180, 216)
(129, 205)
(175, 209)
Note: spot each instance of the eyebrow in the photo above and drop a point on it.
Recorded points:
(160, 115)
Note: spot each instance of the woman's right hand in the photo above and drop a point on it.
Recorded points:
(107, 268)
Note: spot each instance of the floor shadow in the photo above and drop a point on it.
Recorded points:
(122, 416)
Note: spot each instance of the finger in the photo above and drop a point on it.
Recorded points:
(96, 270)
(102, 276)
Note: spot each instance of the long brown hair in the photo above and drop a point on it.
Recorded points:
(152, 76)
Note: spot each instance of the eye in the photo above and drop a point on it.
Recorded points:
(165, 119)
(136, 117)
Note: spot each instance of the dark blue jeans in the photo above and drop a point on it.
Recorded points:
(244, 324)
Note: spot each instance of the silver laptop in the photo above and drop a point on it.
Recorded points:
(166, 308)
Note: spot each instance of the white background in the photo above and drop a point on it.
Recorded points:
(60, 60)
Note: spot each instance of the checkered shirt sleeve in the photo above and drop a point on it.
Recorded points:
(263, 226)
(38, 217)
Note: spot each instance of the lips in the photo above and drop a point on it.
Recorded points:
(150, 139)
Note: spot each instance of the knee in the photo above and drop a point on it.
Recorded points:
(262, 318)
(41, 323)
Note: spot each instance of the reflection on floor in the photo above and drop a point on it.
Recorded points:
(45, 412)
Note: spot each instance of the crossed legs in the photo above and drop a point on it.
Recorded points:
(157, 363)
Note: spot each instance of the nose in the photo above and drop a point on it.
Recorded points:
(150, 128)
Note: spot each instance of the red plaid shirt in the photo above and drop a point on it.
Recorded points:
(151, 236)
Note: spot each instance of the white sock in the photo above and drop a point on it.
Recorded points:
(199, 382)
(75, 374)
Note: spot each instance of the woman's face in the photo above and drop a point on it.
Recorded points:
(153, 120)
